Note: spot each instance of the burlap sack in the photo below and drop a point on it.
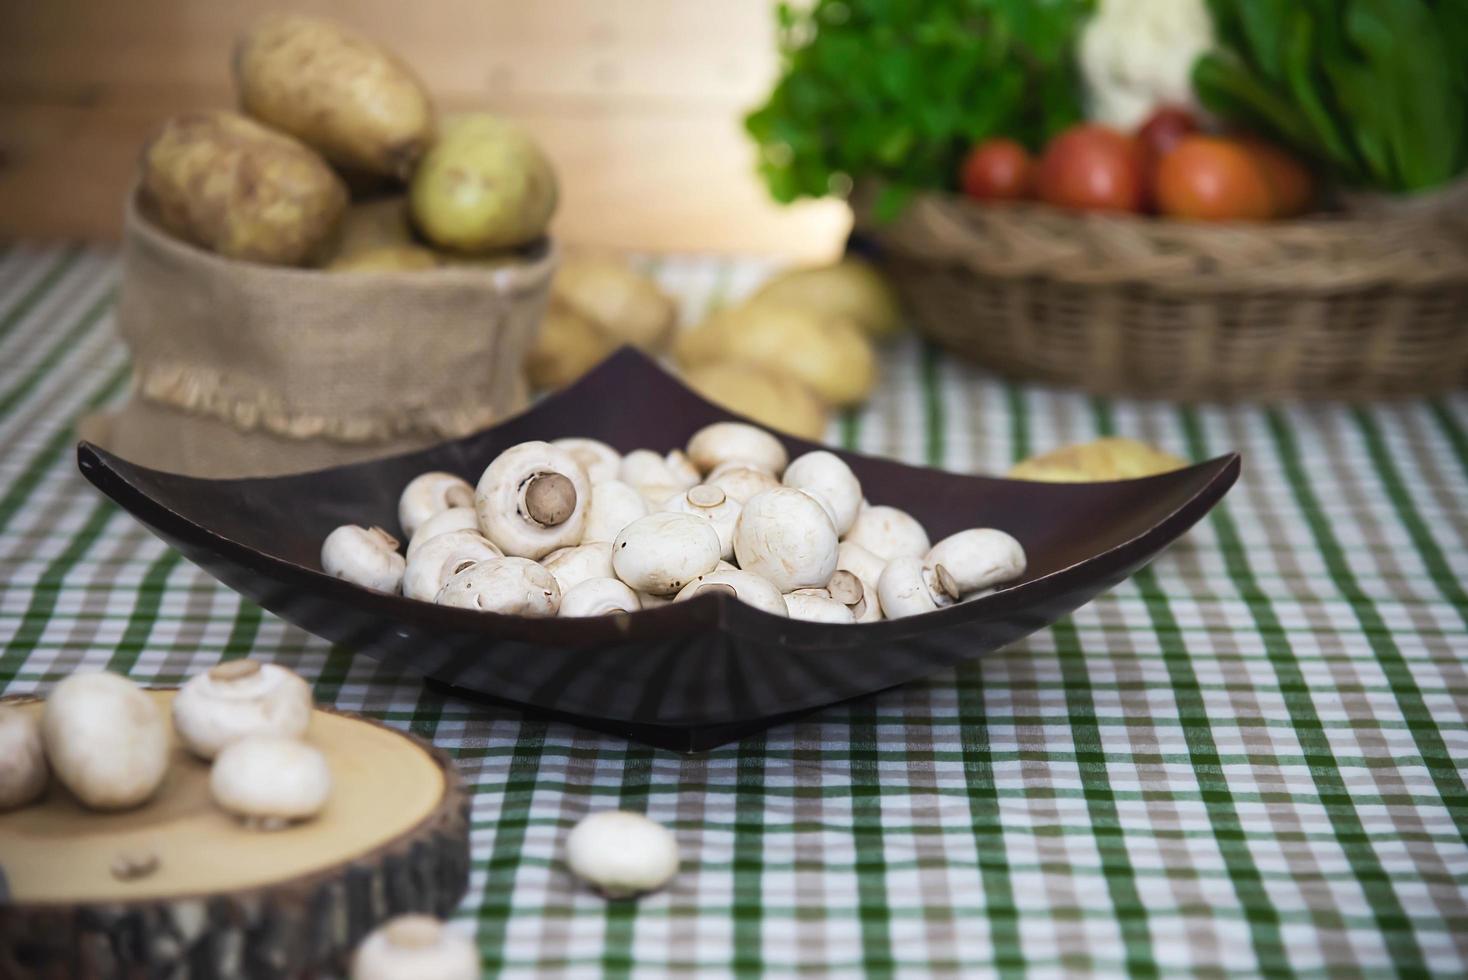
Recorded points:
(251, 370)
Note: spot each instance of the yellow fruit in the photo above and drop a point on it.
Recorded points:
(627, 306)
(849, 288)
(334, 90)
(772, 400)
(484, 185)
(567, 346)
(829, 355)
(230, 185)
(387, 258)
(1112, 458)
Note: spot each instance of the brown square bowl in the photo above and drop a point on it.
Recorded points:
(689, 675)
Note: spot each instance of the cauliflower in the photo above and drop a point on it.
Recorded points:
(1137, 55)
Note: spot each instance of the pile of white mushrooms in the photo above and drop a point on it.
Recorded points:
(107, 742)
(574, 528)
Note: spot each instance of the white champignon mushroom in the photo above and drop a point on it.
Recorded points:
(827, 477)
(621, 854)
(532, 500)
(786, 536)
(365, 556)
(848, 589)
(724, 441)
(613, 506)
(106, 740)
(747, 587)
(574, 565)
(910, 586)
(415, 947)
(453, 519)
(431, 493)
(817, 606)
(510, 586)
(238, 698)
(443, 557)
(684, 473)
(861, 563)
(650, 601)
(742, 482)
(714, 506)
(976, 559)
(269, 781)
(888, 533)
(645, 468)
(657, 494)
(599, 597)
(661, 553)
(600, 461)
(23, 769)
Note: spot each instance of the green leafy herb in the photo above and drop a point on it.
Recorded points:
(1375, 90)
(899, 89)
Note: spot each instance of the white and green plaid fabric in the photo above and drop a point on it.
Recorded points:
(1244, 760)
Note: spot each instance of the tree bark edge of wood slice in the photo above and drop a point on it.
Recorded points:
(303, 927)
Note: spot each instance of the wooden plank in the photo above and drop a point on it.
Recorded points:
(637, 101)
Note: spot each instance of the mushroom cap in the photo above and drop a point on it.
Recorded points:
(239, 698)
(847, 588)
(431, 493)
(829, 479)
(599, 597)
(747, 587)
(909, 587)
(714, 506)
(441, 558)
(646, 468)
(723, 441)
(613, 506)
(786, 536)
(415, 947)
(684, 473)
(510, 586)
(860, 562)
(600, 461)
(270, 778)
(817, 608)
(514, 514)
(363, 556)
(23, 769)
(453, 519)
(888, 533)
(978, 558)
(106, 740)
(574, 565)
(660, 553)
(742, 482)
(621, 853)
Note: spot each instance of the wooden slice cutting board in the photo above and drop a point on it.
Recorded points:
(227, 900)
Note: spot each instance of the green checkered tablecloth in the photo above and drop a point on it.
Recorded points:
(1243, 760)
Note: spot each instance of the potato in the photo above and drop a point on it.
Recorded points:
(483, 185)
(334, 90)
(627, 306)
(829, 355)
(227, 183)
(386, 258)
(850, 288)
(1104, 459)
(567, 346)
(773, 400)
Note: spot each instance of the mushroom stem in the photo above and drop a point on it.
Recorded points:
(947, 582)
(234, 670)
(550, 498)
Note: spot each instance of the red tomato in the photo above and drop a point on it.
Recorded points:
(1210, 178)
(1289, 181)
(1164, 130)
(1092, 168)
(998, 170)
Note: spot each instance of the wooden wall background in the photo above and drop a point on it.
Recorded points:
(637, 101)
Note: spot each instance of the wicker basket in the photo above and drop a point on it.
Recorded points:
(1338, 307)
